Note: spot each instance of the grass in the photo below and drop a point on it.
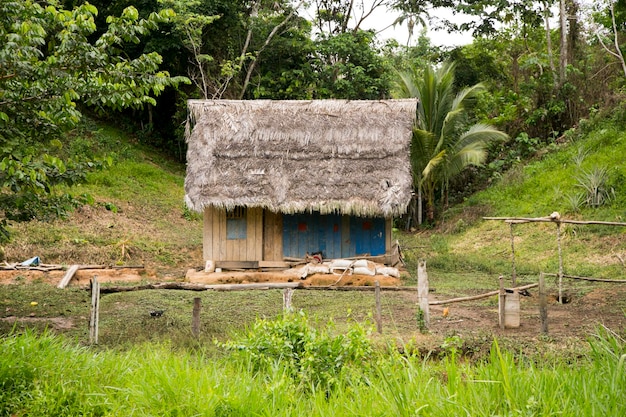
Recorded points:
(149, 365)
(47, 375)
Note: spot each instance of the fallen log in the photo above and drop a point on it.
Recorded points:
(478, 297)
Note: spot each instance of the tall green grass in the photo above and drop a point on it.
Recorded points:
(45, 375)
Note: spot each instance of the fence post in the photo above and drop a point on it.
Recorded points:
(195, 320)
(543, 304)
(379, 316)
(514, 273)
(95, 311)
(501, 300)
(422, 291)
(558, 239)
(287, 294)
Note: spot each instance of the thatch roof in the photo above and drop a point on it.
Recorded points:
(332, 156)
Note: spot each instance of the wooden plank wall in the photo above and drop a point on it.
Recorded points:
(388, 227)
(264, 237)
(253, 246)
(217, 248)
(273, 236)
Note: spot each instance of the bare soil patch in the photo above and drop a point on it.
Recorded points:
(57, 323)
(578, 318)
(589, 305)
(82, 277)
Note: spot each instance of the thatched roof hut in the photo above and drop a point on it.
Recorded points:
(350, 157)
(294, 176)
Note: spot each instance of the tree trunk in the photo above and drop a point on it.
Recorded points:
(420, 208)
(546, 14)
(563, 47)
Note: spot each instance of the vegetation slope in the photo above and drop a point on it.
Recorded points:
(138, 216)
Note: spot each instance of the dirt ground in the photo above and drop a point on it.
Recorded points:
(579, 317)
(586, 309)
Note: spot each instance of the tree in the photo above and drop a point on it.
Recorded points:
(442, 145)
(227, 73)
(49, 68)
(613, 19)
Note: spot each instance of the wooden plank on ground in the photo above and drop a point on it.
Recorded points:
(68, 276)
(237, 264)
(274, 264)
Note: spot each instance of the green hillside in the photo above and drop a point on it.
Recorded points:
(138, 214)
(137, 217)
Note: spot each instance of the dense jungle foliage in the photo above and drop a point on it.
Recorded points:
(533, 72)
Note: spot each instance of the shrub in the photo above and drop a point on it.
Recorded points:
(311, 356)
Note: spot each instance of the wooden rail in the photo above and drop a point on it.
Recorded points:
(479, 296)
(551, 220)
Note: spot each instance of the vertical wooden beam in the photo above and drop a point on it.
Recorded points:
(207, 234)
(287, 295)
(257, 247)
(543, 304)
(422, 291)
(558, 240)
(379, 316)
(514, 273)
(95, 311)
(219, 222)
(195, 319)
(388, 232)
(272, 236)
(501, 301)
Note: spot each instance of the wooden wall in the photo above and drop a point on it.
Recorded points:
(273, 236)
(217, 247)
(264, 236)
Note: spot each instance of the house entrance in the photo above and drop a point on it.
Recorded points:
(334, 235)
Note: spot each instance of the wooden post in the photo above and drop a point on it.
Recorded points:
(95, 311)
(514, 273)
(422, 291)
(543, 304)
(558, 240)
(68, 276)
(195, 320)
(287, 294)
(379, 317)
(501, 301)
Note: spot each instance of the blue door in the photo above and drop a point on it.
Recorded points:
(368, 235)
(310, 233)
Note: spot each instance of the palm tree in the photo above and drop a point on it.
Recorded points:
(442, 146)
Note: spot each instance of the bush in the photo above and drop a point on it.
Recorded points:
(311, 356)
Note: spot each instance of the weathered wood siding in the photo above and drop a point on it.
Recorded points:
(273, 236)
(217, 247)
(266, 238)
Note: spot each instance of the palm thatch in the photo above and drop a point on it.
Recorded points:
(331, 156)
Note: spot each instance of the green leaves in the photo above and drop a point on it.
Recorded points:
(309, 355)
(48, 65)
(443, 144)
